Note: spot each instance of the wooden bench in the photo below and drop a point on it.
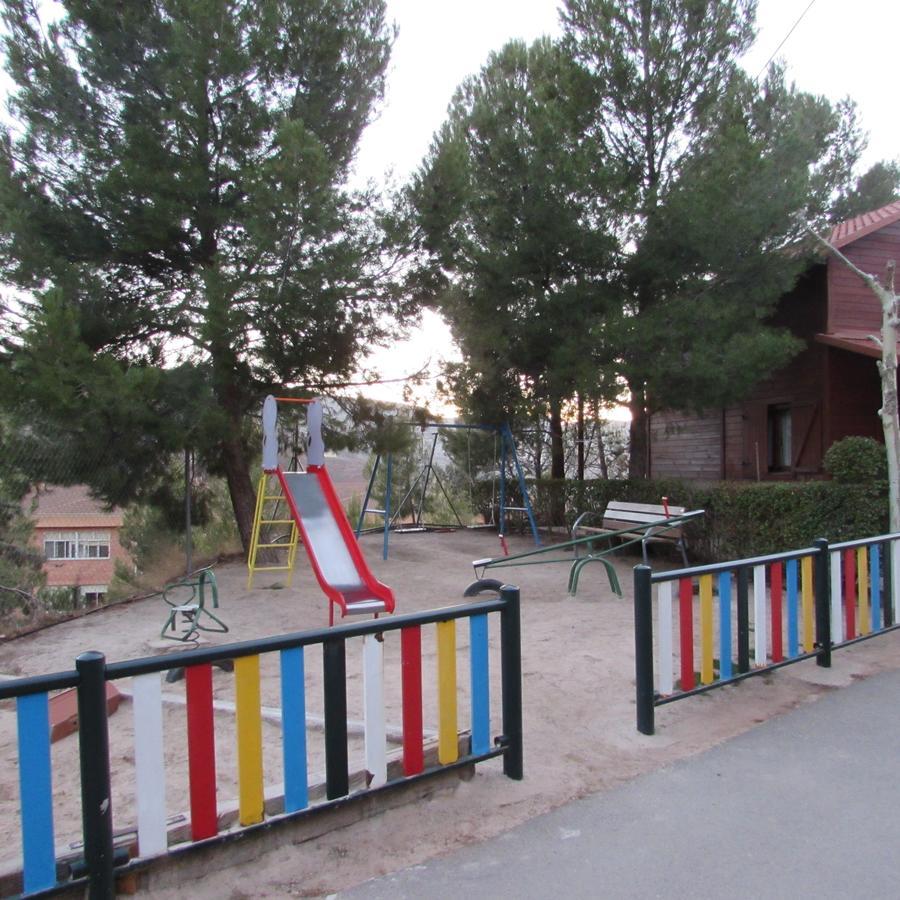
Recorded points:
(635, 521)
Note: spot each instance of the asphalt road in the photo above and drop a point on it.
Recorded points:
(806, 805)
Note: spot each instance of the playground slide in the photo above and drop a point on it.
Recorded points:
(334, 554)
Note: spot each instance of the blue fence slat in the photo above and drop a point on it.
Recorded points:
(875, 586)
(480, 683)
(293, 724)
(35, 792)
(793, 630)
(725, 625)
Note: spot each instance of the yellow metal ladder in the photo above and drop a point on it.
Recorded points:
(271, 509)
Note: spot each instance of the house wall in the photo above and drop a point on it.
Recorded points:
(78, 572)
(853, 396)
(853, 306)
(686, 445)
(734, 443)
(799, 387)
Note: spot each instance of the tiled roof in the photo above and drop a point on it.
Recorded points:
(853, 229)
(69, 507)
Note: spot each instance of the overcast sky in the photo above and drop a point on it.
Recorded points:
(837, 49)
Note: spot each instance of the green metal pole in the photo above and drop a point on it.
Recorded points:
(526, 500)
(387, 504)
(365, 505)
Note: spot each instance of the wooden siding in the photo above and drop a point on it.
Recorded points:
(798, 386)
(852, 306)
(734, 443)
(686, 445)
(830, 393)
(854, 397)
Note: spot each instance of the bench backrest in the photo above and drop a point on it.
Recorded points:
(620, 514)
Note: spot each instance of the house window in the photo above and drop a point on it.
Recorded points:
(76, 545)
(779, 438)
(92, 593)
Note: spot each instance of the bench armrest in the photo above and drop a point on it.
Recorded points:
(590, 513)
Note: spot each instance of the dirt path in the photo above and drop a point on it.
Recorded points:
(580, 736)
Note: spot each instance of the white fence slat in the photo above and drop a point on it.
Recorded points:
(149, 764)
(664, 643)
(837, 605)
(759, 616)
(373, 680)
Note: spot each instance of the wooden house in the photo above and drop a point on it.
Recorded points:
(828, 391)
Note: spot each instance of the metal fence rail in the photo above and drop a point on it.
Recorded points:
(795, 605)
(43, 870)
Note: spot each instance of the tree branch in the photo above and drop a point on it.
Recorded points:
(886, 297)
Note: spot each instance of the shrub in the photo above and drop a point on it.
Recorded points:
(856, 460)
(743, 519)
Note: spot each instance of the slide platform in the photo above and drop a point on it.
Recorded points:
(331, 546)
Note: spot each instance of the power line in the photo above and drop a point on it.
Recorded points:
(784, 40)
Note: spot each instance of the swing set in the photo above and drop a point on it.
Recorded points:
(412, 505)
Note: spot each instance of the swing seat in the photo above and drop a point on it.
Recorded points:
(191, 614)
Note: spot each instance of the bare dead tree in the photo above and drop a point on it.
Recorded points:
(887, 368)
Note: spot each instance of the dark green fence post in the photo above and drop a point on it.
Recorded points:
(743, 620)
(823, 604)
(643, 649)
(511, 677)
(337, 777)
(93, 747)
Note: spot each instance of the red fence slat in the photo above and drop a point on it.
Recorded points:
(201, 751)
(411, 676)
(686, 629)
(850, 592)
(776, 591)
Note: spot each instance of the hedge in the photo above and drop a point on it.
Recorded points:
(743, 519)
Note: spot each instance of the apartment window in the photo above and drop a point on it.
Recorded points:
(779, 438)
(76, 545)
(92, 594)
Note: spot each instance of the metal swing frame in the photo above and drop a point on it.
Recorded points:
(508, 455)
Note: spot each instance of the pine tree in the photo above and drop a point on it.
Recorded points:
(514, 226)
(722, 166)
(176, 174)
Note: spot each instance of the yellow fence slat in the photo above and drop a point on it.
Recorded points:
(448, 739)
(248, 722)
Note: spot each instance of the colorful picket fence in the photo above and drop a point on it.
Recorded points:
(721, 623)
(43, 868)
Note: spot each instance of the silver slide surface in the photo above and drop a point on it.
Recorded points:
(326, 545)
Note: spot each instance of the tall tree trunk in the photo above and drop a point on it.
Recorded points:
(539, 449)
(601, 444)
(580, 439)
(229, 393)
(557, 451)
(557, 465)
(638, 443)
(240, 483)
(890, 417)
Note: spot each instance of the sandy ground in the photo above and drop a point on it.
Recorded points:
(580, 736)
